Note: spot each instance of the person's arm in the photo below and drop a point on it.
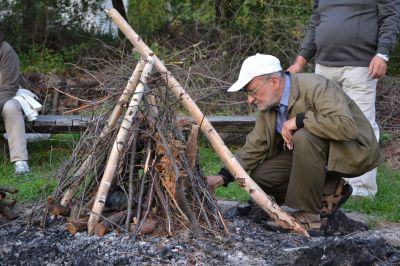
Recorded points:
(308, 48)
(223, 178)
(253, 151)
(9, 73)
(389, 27)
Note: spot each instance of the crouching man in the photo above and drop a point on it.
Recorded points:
(11, 110)
(308, 135)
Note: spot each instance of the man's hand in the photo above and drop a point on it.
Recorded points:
(214, 181)
(298, 65)
(287, 129)
(377, 67)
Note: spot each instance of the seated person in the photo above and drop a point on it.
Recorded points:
(11, 111)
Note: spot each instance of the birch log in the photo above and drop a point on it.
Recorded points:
(122, 102)
(118, 146)
(243, 179)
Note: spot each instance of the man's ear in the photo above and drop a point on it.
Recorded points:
(275, 82)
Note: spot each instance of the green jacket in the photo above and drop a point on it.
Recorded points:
(329, 114)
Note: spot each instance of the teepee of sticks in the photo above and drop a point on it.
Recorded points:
(139, 174)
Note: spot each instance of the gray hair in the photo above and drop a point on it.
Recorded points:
(279, 74)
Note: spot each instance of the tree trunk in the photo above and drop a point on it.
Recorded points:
(256, 193)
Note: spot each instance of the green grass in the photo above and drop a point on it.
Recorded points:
(211, 164)
(44, 158)
(385, 205)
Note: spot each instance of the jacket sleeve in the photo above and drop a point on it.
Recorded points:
(257, 145)
(308, 48)
(328, 115)
(389, 25)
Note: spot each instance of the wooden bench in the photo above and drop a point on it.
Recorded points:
(78, 123)
(54, 124)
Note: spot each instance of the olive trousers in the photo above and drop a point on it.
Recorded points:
(298, 178)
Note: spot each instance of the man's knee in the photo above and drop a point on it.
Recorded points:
(270, 180)
(11, 108)
(302, 136)
(303, 139)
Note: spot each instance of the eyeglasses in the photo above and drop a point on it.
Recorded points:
(252, 93)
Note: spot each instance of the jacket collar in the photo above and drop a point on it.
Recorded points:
(294, 94)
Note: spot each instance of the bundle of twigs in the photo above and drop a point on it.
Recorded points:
(154, 182)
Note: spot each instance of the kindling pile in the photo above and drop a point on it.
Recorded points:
(139, 173)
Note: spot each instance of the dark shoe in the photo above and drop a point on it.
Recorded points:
(331, 203)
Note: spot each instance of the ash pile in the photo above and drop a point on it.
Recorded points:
(248, 244)
(137, 173)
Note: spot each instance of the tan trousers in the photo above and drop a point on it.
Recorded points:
(297, 180)
(360, 87)
(13, 118)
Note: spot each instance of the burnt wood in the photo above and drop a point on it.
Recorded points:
(78, 123)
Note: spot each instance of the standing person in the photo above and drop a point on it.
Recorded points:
(11, 111)
(352, 42)
(308, 134)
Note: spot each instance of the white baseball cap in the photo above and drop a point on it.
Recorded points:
(254, 66)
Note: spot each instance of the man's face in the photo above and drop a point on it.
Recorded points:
(263, 92)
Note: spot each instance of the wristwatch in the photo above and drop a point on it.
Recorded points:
(383, 56)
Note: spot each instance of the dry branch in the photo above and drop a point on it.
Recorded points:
(192, 146)
(148, 226)
(112, 162)
(79, 225)
(115, 219)
(56, 208)
(79, 175)
(130, 181)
